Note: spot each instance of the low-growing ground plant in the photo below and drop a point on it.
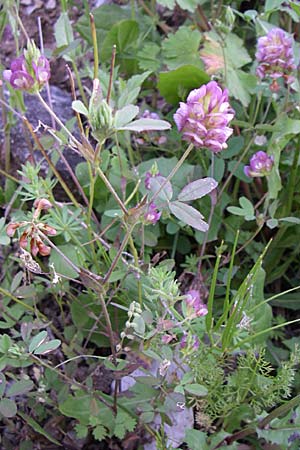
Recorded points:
(149, 297)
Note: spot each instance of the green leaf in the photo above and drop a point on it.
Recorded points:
(48, 347)
(294, 220)
(123, 34)
(197, 189)
(238, 172)
(170, 4)
(176, 84)
(246, 205)
(272, 223)
(188, 215)
(64, 34)
(5, 343)
(235, 145)
(295, 7)
(37, 428)
(105, 17)
(63, 267)
(129, 93)
(189, 5)
(182, 48)
(196, 389)
(37, 341)
(77, 407)
(124, 423)
(8, 408)
(99, 432)
(196, 439)
(285, 128)
(148, 57)
(4, 239)
(165, 194)
(125, 115)
(2, 384)
(240, 85)
(141, 125)
(20, 388)
(79, 107)
(81, 431)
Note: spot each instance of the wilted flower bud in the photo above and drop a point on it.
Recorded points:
(42, 204)
(11, 229)
(194, 304)
(43, 249)
(261, 165)
(152, 216)
(203, 119)
(275, 57)
(30, 71)
(48, 230)
(23, 241)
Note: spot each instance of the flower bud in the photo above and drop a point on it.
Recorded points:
(100, 115)
(152, 216)
(261, 165)
(195, 307)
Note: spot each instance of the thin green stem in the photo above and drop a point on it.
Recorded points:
(174, 170)
(111, 75)
(118, 255)
(80, 86)
(136, 263)
(292, 181)
(112, 190)
(235, 167)
(20, 302)
(95, 46)
(63, 127)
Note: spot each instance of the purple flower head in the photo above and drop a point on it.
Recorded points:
(30, 71)
(152, 216)
(189, 342)
(275, 56)
(195, 307)
(148, 179)
(150, 115)
(261, 165)
(18, 76)
(203, 119)
(41, 70)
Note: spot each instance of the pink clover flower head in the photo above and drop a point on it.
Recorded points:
(203, 119)
(260, 165)
(275, 56)
(152, 216)
(194, 304)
